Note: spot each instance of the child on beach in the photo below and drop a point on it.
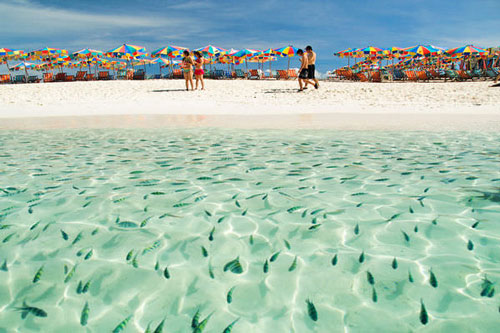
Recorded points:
(187, 68)
(199, 72)
(303, 74)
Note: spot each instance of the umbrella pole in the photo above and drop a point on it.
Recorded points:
(25, 74)
(8, 68)
(288, 64)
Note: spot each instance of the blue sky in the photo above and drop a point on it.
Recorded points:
(328, 26)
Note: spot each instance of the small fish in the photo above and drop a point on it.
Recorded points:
(221, 219)
(159, 328)
(304, 213)
(211, 271)
(211, 235)
(237, 203)
(229, 327)
(293, 209)
(38, 275)
(86, 204)
(127, 224)
(26, 309)
(356, 229)
(208, 213)
(88, 255)
(411, 210)
(144, 222)
(65, 269)
(4, 266)
(86, 287)
(204, 251)
(234, 266)
(79, 288)
(394, 263)
(334, 260)
(70, 274)
(434, 221)
(359, 205)
(166, 273)
(424, 318)
(369, 278)
(314, 227)
(274, 257)
(287, 244)
(266, 267)
(410, 277)
(487, 288)
(121, 326)
(244, 212)
(293, 265)
(94, 232)
(395, 216)
(34, 225)
(415, 229)
(432, 279)
(250, 240)
(474, 226)
(470, 245)
(129, 255)
(135, 264)
(157, 265)
(229, 296)
(361, 257)
(405, 236)
(77, 238)
(311, 310)
(6, 239)
(195, 319)
(374, 295)
(84, 318)
(202, 324)
(80, 252)
(314, 212)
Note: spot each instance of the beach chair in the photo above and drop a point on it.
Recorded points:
(375, 76)
(422, 76)
(60, 77)
(156, 77)
(177, 73)
(254, 74)
(69, 78)
(283, 74)
(219, 74)
(362, 77)
(121, 74)
(464, 76)
(349, 75)
(292, 74)
(5, 79)
(411, 76)
(240, 74)
(20, 79)
(490, 74)
(48, 77)
(398, 75)
(433, 74)
(103, 75)
(228, 74)
(91, 77)
(33, 79)
(80, 76)
(451, 75)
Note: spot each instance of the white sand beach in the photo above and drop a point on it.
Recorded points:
(244, 103)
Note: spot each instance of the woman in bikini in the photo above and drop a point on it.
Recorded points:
(198, 71)
(187, 68)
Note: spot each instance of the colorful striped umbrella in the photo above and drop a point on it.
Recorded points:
(287, 51)
(244, 53)
(125, 50)
(466, 50)
(87, 53)
(370, 50)
(424, 50)
(47, 52)
(343, 53)
(211, 50)
(168, 51)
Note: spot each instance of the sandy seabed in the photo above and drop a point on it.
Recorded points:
(252, 104)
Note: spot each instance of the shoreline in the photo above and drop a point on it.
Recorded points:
(251, 104)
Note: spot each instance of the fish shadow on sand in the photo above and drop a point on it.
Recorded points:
(168, 90)
(279, 91)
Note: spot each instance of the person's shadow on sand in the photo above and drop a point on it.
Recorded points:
(168, 90)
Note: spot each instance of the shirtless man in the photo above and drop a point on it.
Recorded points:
(303, 72)
(311, 69)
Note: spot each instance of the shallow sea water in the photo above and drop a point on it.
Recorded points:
(73, 204)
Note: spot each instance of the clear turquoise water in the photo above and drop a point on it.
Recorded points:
(312, 195)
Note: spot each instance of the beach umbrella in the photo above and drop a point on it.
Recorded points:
(168, 51)
(370, 50)
(466, 50)
(87, 53)
(424, 50)
(126, 50)
(287, 51)
(23, 66)
(211, 50)
(6, 54)
(46, 53)
(243, 54)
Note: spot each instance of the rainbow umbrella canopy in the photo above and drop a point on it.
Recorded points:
(367, 51)
(170, 51)
(466, 50)
(46, 52)
(424, 50)
(211, 50)
(287, 51)
(87, 53)
(125, 51)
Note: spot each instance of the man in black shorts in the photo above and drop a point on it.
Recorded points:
(303, 71)
(311, 68)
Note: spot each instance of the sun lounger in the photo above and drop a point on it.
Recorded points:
(103, 75)
(60, 77)
(228, 74)
(349, 74)
(5, 79)
(375, 76)
(91, 77)
(177, 74)
(398, 75)
(411, 76)
(121, 75)
(452, 75)
(219, 74)
(292, 74)
(433, 74)
(491, 74)
(20, 79)
(422, 76)
(464, 76)
(254, 74)
(80, 76)
(240, 74)
(48, 77)
(282, 74)
(362, 77)
(69, 78)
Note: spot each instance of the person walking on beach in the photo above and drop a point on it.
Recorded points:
(198, 71)
(303, 70)
(187, 68)
(311, 67)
